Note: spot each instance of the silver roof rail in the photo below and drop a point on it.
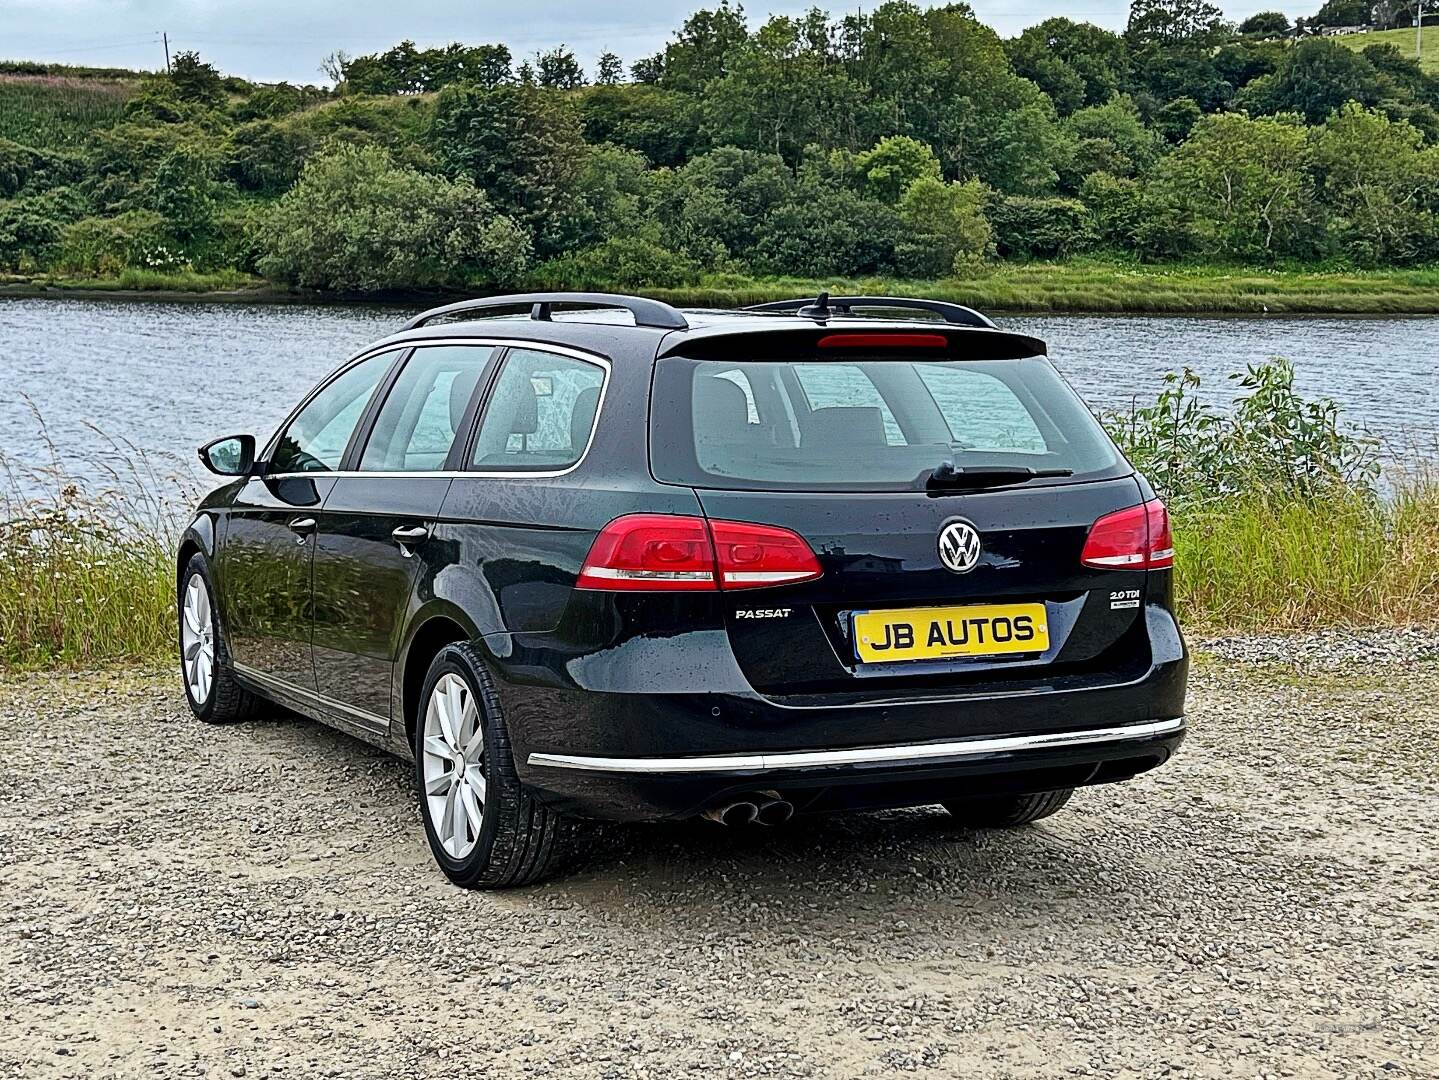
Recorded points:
(646, 312)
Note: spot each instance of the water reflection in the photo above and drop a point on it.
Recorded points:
(166, 376)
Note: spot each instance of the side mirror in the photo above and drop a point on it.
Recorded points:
(233, 455)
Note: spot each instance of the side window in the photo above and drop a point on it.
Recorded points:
(417, 423)
(982, 412)
(847, 387)
(316, 439)
(540, 414)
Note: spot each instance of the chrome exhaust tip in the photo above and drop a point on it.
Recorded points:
(775, 811)
(743, 812)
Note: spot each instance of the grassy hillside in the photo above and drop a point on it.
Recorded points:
(52, 112)
(1403, 40)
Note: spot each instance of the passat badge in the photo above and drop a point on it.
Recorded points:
(959, 546)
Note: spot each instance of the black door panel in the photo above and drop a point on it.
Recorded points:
(265, 568)
(363, 581)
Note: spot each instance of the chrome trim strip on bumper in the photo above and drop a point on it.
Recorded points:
(818, 759)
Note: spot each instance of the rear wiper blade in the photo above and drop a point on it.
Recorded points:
(946, 477)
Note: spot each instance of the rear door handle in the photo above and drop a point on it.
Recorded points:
(407, 535)
(304, 526)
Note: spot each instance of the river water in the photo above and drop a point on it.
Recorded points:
(161, 377)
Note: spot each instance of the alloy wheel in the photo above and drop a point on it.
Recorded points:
(197, 640)
(454, 777)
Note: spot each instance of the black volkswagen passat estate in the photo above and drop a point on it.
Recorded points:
(606, 558)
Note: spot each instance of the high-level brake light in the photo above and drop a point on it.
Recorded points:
(883, 341)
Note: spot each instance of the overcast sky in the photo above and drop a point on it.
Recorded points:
(269, 40)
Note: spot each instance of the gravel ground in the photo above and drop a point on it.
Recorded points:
(258, 901)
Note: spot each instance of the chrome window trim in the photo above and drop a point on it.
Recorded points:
(602, 362)
(868, 755)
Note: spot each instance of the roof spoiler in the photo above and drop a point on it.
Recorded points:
(825, 306)
(652, 313)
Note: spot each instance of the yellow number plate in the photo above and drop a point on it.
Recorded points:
(933, 633)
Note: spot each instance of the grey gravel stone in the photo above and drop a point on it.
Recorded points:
(1263, 906)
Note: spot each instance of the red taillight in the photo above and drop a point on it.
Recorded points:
(1135, 538)
(672, 552)
(752, 556)
(883, 341)
(652, 552)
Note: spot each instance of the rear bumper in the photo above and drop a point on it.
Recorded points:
(654, 750)
(913, 774)
(810, 761)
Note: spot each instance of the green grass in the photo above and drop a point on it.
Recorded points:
(87, 580)
(1403, 40)
(1091, 286)
(56, 112)
(1265, 563)
(132, 280)
(1077, 286)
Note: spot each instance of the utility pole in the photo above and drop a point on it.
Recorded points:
(1419, 31)
(165, 37)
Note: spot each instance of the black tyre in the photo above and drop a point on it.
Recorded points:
(210, 687)
(485, 830)
(1006, 811)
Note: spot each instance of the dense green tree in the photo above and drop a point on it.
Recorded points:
(1016, 149)
(1169, 22)
(941, 224)
(558, 69)
(105, 246)
(825, 231)
(408, 70)
(184, 191)
(715, 205)
(648, 70)
(521, 145)
(615, 189)
(1029, 227)
(31, 226)
(701, 49)
(25, 169)
(1115, 208)
(1314, 78)
(1241, 62)
(609, 70)
(1343, 13)
(358, 221)
(1176, 119)
(1109, 138)
(266, 156)
(634, 261)
(1401, 79)
(1266, 24)
(273, 102)
(780, 92)
(1236, 188)
(196, 81)
(663, 125)
(1075, 63)
(894, 164)
(1381, 185)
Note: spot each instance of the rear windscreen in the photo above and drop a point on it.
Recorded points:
(861, 424)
